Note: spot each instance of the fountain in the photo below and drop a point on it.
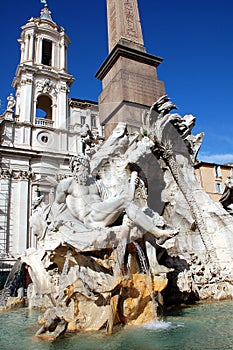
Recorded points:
(130, 227)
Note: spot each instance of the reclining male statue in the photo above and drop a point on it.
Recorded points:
(84, 204)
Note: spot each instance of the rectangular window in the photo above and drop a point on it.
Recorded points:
(83, 120)
(219, 187)
(93, 121)
(46, 52)
(218, 172)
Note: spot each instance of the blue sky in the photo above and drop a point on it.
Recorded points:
(195, 39)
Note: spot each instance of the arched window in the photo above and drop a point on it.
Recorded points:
(44, 111)
(40, 113)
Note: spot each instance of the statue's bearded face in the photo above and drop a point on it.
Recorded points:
(81, 172)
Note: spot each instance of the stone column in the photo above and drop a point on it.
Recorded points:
(22, 48)
(38, 50)
(62, 54)
(5, 200)
(61, 120)
(31, 46)
(25, 99)
(21, 213)
(55, 55)
(26, 48)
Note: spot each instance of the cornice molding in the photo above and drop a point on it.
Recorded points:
(127, 52)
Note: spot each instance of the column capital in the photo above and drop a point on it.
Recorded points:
(5, 173)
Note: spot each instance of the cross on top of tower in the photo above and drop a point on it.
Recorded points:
(45, 13)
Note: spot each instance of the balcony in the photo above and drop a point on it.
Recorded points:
(44, 122)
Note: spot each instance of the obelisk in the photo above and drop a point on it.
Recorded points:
(128, 75)
(124, 23)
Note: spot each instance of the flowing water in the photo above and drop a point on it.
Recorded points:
(63, 277)
(146, 270)
(142, 258)
(201, 327)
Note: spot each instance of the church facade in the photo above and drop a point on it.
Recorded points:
(40, 130)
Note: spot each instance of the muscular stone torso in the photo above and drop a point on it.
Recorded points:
(80, 199)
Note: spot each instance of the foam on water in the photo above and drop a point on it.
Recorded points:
(162, 325)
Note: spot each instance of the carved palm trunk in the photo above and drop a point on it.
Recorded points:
(195, 210)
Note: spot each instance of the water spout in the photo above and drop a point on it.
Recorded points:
(145, 268)
(63, 276)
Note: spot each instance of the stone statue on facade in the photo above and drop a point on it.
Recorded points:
(9, 112)
(11, 103)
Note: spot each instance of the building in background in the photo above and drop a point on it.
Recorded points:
(40, 129)
(212, 177)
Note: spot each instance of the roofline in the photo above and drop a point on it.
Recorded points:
(79, 100)
(200, 163)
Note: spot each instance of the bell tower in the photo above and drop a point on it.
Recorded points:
(42, 81)
(40, 129)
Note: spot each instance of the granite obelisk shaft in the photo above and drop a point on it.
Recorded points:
(124, 23)
(128, 75)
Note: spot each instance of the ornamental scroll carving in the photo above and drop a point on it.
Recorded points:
(15, 174)
(5, 173)
(47, 86)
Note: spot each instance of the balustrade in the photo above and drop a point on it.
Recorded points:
(44, 122)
